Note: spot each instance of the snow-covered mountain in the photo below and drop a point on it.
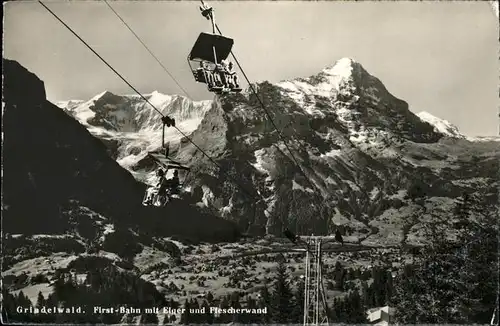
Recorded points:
(131, 113)
(71, 212)
(360, 147)
(443, 126)
(448, 129)
(131, 127)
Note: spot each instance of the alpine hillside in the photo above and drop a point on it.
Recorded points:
(59, 182)
(361, 153)
(75, 232)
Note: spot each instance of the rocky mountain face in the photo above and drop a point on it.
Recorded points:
(360, 150)
(59, 179)
(130, 127)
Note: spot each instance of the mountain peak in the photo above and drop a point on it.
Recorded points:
(157, 99)
(155, 92)
(440, 125)
(332, 79)
(102, 95)
(343, 67)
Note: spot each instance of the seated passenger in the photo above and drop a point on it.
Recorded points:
(157, 189)
(174, 183)
(233, 76)
(230, 68)
(220, 74)
(224, 66)
(202, 67)
(210, 79)
(162, 182)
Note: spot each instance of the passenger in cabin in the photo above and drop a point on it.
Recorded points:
(220, 71)
(224, 65)
(210, 79)
(208, 76)
(199, 72)
(174, 183)
(160, 186)
(205, 75)
(232, 75)
(215, 76)
(162, 181)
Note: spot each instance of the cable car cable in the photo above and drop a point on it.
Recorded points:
(164, 68)
(147, 48)
(269, 115)
(102, 59)
(320, 200)
(144, 98)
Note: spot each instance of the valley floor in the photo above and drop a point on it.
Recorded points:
(220, 269)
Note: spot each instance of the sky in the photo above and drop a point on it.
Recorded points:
(439, 56)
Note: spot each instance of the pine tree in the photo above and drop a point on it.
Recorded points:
(186, 315)
(252, 318)
(380, 286)
(52, 300)
(208, 317)
(9, 305)
(299, 297)
(40, 301)
(194, 306)
(388, 288)
(224, 304)
(265, 302)
(235, 303)
(210, 297)
(23, 300)
(265, 297)
(336, 310)
(282, 298)
(339, 276)
(365, 293)
(342, 311)
(356, 311)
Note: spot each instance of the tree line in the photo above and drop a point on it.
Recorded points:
(107, 286)
(453, 281)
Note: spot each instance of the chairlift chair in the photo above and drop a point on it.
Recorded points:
(212, 49)
(162, 159)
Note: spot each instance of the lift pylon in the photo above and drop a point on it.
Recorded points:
(315, 305)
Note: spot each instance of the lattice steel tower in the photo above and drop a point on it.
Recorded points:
(315, 306)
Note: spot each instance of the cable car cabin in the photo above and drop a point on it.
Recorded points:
(210, 52)
(161, 194)
(169, 164)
